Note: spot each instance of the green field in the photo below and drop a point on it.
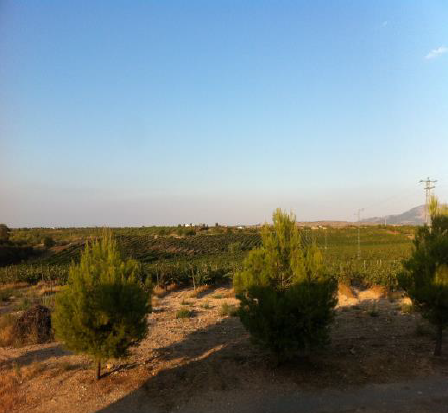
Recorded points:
(212, 254)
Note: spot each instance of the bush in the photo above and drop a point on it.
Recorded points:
(184, 313)
(33, 326)
(287, 303)
(7, 322)
(228, 310)
(425, 276)
(103, 311)
(49, 242)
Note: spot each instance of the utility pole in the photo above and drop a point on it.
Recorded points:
(358, 214)
(428, 186)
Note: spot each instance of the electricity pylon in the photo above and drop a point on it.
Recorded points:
(427, 189)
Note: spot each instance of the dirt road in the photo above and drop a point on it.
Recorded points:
(423, 395)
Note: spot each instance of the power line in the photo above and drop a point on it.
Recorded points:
(402, 194)
(428, 186)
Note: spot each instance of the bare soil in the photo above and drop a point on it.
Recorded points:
(207, 363)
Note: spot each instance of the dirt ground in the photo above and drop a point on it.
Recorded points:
(380, 352)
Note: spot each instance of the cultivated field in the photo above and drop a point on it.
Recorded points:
(213, 253)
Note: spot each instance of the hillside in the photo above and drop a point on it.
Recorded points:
(415, 216)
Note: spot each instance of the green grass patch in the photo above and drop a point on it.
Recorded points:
(184, 313)
(228, 310)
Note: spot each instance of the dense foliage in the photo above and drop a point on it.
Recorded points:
(102, 312)
(425, 278)
(287, 301)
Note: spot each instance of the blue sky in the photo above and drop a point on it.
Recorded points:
(151, 112)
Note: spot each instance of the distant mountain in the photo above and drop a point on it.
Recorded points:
(415, 216)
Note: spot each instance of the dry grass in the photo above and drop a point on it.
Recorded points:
(199, 290)
(218, 296)
(379, 290)
(154, 301)
(407, 308)
(14, 286)
(45, 289)
(395, 295)
(7, 338)
(160, 292)
(230, 293)
(33, 370)
(228, 310)
(11, 398)
(184, 313)
(344, 289)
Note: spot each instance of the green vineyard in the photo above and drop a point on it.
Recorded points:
(212, 255)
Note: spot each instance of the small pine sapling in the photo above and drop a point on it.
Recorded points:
(102, 312)
(425, 276)
(287, 302)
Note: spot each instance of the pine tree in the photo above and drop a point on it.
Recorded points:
(102, 312)
(287, 302)
(425, 276)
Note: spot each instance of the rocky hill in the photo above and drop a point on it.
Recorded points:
(415, 216)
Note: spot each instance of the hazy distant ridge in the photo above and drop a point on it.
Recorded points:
(415, 216)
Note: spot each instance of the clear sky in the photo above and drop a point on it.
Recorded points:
(164, 112)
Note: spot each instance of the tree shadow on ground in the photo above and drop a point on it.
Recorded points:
(211, 358)
(220, 358)
(37, 355)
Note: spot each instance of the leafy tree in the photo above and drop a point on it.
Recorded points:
(425, 276)
(287, 302)
(102, 313)
(4, 233)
